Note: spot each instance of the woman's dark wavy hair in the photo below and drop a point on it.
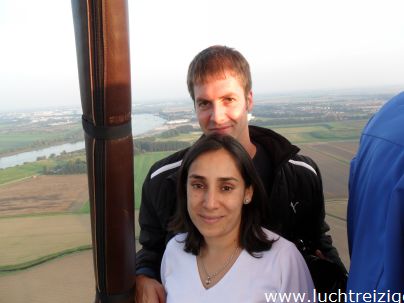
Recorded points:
(252, 238)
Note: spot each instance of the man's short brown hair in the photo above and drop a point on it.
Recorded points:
(214, 62)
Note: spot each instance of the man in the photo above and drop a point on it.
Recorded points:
(376, 205)
(219, 82)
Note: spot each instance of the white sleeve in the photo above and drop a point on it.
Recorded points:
(170, 257)
(295, 275)
(163, 269)
(166, 262)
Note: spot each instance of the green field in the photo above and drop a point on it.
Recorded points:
(301, 133)
(190, 137)
(322, 132)
(143, 162)
(23, 171)
(26, 241)
(28, 139)
(36, 168)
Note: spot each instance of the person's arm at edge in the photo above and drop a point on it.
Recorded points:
(325, 248)
(148, 259)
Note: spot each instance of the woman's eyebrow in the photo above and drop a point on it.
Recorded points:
(228, 179)
(195, 176)
(223, 179)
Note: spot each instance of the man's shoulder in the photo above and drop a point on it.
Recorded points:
(281, 151)
(167, 165)
(304, 164)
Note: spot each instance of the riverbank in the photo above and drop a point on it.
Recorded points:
(167, 126)
(25, 149)
(35, 155)
(30, 149)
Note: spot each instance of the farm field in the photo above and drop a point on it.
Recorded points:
(41, 216)
(65, 198)
(29, 169)
(23, 171)
(143, 162)
(46, 215)
(190, 137)
(29, 238)
(335, 218)
(333, 159)
(64, 280)
(16, 139)
(71, 278)
(43, 194)
(322, 132)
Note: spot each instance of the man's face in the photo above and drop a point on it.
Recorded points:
(221, 107)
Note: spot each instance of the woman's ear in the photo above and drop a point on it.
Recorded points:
(248, 194)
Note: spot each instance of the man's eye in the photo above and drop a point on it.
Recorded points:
(229, 100)
(203, 104)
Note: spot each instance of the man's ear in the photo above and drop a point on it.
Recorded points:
(249, 101)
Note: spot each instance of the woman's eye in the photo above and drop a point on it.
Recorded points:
(227, 188)
(197, 186)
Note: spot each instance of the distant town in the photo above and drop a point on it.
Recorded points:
(338, 106)
(41, 128)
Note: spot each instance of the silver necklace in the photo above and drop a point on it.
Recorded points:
(212, 276)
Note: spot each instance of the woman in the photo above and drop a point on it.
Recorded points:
(223, 253)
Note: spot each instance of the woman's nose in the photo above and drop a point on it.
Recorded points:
(210, 199)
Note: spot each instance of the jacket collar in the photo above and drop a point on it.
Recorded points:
(279, 148)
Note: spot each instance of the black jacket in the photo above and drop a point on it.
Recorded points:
(295, 199)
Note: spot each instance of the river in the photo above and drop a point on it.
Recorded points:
(142, 124)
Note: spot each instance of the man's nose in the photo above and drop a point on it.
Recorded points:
(218, 114)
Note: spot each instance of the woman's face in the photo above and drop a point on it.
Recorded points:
(215, 195)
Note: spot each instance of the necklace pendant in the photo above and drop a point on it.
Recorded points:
(207, 282)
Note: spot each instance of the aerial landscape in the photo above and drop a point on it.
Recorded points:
(319, 72)
(44, 205)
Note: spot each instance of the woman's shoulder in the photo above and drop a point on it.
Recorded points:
(284, 253)
(280, 244)
(176, 242)
(174, 249)
(285, 258)
(279, 240)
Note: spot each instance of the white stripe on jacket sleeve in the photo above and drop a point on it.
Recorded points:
(303, 164)
(165, 168)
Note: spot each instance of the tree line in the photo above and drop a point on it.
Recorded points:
(77, 166)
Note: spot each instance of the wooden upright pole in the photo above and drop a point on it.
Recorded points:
(102, 44)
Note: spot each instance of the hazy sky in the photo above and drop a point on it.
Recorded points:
(291, 45)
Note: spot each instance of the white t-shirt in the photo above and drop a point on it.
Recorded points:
(281, 271)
